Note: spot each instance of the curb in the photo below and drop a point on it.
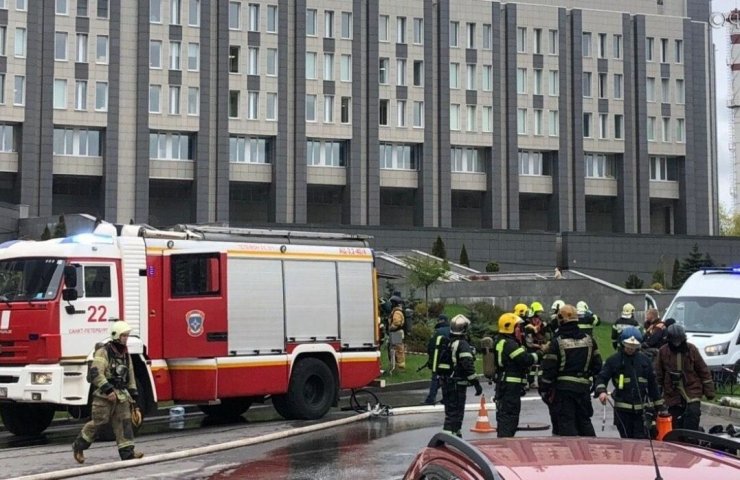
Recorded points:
(720, 410)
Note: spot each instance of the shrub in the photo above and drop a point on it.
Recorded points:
(435, 308)
(656, 286)
(417, 339)
(464, 257)
(492, 267)
(633, 281)
(438, 249)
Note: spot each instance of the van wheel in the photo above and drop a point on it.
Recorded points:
(26, 419)
(312, 390)
(228, 408)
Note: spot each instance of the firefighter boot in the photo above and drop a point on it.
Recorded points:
(78, 447)
(128, 453)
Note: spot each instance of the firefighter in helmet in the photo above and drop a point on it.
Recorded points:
(554, 315)
(627, 319)
(463, 375)
(396, 322)
(112, 376)
(521, 310)
(587, 319)
(512, 364)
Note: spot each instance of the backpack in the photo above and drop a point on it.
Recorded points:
(442, 356)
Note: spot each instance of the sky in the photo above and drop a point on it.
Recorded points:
(720, 41)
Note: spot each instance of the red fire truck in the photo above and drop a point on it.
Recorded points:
(222, 318)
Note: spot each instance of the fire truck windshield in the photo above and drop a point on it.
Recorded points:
(27, 279)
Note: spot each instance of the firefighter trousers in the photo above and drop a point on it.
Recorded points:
(631, 424)
(508, 408)
(686, 416)
(454, 392)
(118, 414)
(574, 411)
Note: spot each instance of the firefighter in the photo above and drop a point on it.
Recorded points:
(112, 375)
(587, 320)
(636, 391)
(396, 321)
(626, 320)
(463, 375)
(512, 364)
(554, 312)
(521, 310)
(654, 333)
(568, 365)
(684, 376)
(441, 329)
(536, 335)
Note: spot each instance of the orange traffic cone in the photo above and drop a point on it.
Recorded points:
(483, 425)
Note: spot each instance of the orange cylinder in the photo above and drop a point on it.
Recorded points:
(664, 423)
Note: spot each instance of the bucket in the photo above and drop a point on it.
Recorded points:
(177, 418)
(664, 422)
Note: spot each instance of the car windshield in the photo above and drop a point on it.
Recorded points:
(705, 314)
(24, 279)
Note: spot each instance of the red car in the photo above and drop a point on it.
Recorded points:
(569, 458)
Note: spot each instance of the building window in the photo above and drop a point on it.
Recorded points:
(618, 85)
(194, 13)
(678, 46)
(235, 11)
(234, 59)
(650, 89)
(102, 10)
(253, 61)
(554, 42)
(603, 126)
(345, 68)
(680, 91)
(383, 21)
(470, 35)
(400, 29)
(663, 169)
(155, 11)
(254, 17)
(587, 125)
(537, 81)
(19, 90)
(487, 119)
(599, 165)
(61, 7)
(651, 129)
(20, 42)
(346, 109)
(680, 130)
(454, 75)
(81, 7)
(60, 94)
(311, 65)
(537, 44)
(328, 108)
(174, 100)
(3, 40)
(193, 100)
(101, 49)
(487, 36)
(665, 90)
(175, 54)
(328, 24)
(419, 31)
(649, 47)
(155, 99)
(586, 44)
(346, 25)
(454, 33)
(418, 114)
(271, 107)
(383, 112)
(532, 163)
(383, 71)
(418, 73)
(554, 123)
(175, 12)
(7, 138)
(248, 150)
(538, 122)
(171, 146)
(81, 56)
(311, 22)
(401, 72)
(310, 108)
(617, 46)
(77, 142)
(618, 126)
(466, 160)
(602, 85)
(601, 46)
(487, 79)
(155, 54)
(521, 121)
(521, 80)
(81, 95)
(471, 76)
(253, 105)
(234, 103)
(663, 50)
(22, 5)
(325, 153)
(454, 116)
(272, 19)
(398, 156)
(586, 84)
(272, 62)
(60, 46)
(521, 40)
(401, 113)
(666, 130)
(554, 83)
(193, 57)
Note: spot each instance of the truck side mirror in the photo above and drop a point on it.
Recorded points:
(70, 277)
(69, 294)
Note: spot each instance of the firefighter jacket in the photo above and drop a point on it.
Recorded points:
(635, 384)
(397, 319)
(588, 321)
(112, 370)
(570, 361)
(463, 361)
(620, 325)
(536, 332)
(683, 374)
(512, 360)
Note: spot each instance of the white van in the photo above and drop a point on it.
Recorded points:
(708, 306)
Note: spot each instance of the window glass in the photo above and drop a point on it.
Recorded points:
(195, 275)
(97, 281)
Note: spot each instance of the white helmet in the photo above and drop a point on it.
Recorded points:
(556, 306)
(119, 328)
(581, 307)
(627, 310)
(459, 325)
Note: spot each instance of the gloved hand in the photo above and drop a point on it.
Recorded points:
(134, 395)
(603, 397)
(478, 388)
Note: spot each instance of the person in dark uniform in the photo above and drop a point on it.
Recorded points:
(587, 319)
(635, 385)
(512, 365)
(463, 375)
(568, 365)
(441, 329)
(626, 320)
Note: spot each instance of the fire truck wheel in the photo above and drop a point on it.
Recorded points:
(228, 408)
(280, 402)
(25, 419)
(312, 389)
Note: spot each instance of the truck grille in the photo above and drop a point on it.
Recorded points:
(8, 379)
(11, 352)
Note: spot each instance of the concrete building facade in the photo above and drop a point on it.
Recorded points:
(569, 115)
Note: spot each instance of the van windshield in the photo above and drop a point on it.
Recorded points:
(24, 279)
(705, 314)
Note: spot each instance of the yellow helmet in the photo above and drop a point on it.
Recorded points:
(520, 309)
(536, 308)
(508, 322)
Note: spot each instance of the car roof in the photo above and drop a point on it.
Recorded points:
(554, 458)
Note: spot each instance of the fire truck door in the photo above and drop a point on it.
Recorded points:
(195, 319)
(85, 321)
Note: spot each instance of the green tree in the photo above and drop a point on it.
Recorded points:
(676, 274)
(438, 249)
(693, 263)
(659, 276)
(60, 229)
(492, 267)
(633, 281)
(464, 257)
(729, 223)
(425, 272)
(47, 233)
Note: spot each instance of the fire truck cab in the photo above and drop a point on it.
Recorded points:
(222, 318)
